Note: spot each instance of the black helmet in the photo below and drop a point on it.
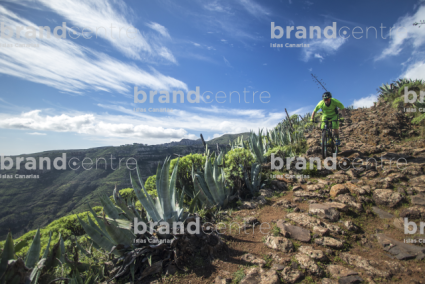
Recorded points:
(327, 95)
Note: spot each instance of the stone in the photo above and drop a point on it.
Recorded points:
(248, 257)
(320, 231)
(297, 188)
(308, 221)
(381, 213)
(365, 264)
(220, 280)
(293, 232)
(328, 281)
(314, 187)
(256, 275)
(418, 200)
(248, 205)
(308, 264)
(400, 250)
(338, 189)
(350, 201)
(355, 279)
(339, 206)
(285, 204)
(315, 254)
(261, 200)
(329, 242)
(279, 243)
(337, 271)
(350, 226)
(414, 212)
(324, 211)
(291, 275)
(307, 194)
(387, 197)
(250, 220)
(266, 192)
(355, 189)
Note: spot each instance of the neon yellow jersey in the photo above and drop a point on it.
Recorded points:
(329, 111)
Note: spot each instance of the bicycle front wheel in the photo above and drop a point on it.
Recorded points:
(324, 143)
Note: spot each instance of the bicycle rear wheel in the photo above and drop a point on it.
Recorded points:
(324, 143)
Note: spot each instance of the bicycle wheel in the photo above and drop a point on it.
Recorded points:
(324, 143)
(332, 144)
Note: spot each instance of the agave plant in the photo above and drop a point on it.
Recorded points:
(210, 186)
(253, 179)
(258, 146)
(30, 270)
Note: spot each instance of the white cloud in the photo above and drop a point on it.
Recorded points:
(322, 47)
(109, 18)
(64, 65)
(318, 56)
(37, 133)
(159, 28)
(415, 71)
(365, 101)
(216, 7)
(404, 34)
(302, 110)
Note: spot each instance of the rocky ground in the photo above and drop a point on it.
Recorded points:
(340, 226)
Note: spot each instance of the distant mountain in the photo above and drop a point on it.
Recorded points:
(30, 198)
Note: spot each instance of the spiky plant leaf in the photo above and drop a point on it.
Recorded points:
(34, 251)
(8, 253)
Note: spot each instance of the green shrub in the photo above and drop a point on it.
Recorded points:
(279, 151)
(184, 171)
(233, 172)
(150, 185)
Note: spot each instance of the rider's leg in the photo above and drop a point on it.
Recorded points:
(336, 133)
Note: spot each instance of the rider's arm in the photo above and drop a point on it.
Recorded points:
(319, 106)
(338, 103)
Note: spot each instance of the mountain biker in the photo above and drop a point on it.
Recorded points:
(329, 108)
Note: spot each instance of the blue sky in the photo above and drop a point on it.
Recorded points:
(78, 92)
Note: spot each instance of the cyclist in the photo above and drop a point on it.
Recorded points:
(329, 108)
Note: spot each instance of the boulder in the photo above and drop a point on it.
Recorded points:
(414, 212)
(315, 254)
(381, 213)
(324, 211)
(294, 232)
(308, 264)
(365, 264)
(279, 243)
(329, 242)
(291, 275)
(387, 197)
(418, 200)
(338, 189)
(400, 250)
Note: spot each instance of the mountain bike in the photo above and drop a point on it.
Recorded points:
(328, 138)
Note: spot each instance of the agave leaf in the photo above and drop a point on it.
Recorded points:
(100, 239)
(34, 251)
(209, 179)
(164, 195)
(122, 204)
(83, 250)
(20, 246)
(8, 253)
(100, 224)
(116, 234)
(36, 272)
(110, 208)
(46, 252)
(144, 197)
(172, 186)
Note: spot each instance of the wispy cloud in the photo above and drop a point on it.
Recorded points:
(227, 62)
(108, 20)
(404, 34)
(254, 8)
(319, 48)
(37, 133)
(160, 29)
(64, 65)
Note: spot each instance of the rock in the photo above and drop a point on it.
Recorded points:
(414, 212)
(355, 189)
(339, 206)
(337, 271)
(308, 264)
(220, 280)
(329, 242)
(350, 201)
(350, 226)
(314, 187)
(251, 220)
(315, 254)
(266, 192)
(248, 205)
(297, 199)
(363, 263)
(321, 231)
(308, 194)
(293, 232)
(324, 211)
(279, 185)
(355, 279)
(285, 204)
(310, 222)
(338, 189)
(400, 250)
(279, 243)
(418, 200)
(387, 197)
(256, 275)
(261, 200)
(248, 257)
(290, 275)
(381, 213)
(328, 281)
(297, 188)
